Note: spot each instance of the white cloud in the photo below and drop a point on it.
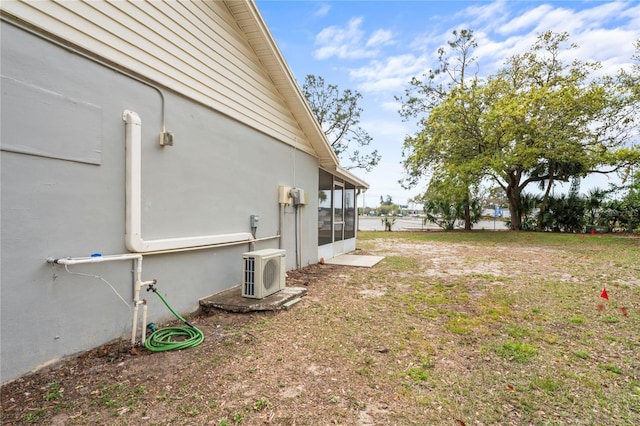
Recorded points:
(527, 20)
(603, 13)
(492, 54)
(604, 32)
(348, 42)
(388, 84)
(429, 42)
(389, 74)
(380, 38)
(487, 17)
(561, 20)
(390, 130)
(612, 48)
(383, 181)
(323, 10)
(391, 106)
(633, 16)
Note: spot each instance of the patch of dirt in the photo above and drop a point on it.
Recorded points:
(89, 376)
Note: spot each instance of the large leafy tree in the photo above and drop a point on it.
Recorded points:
(537, 121)
(339, 116)
(549, 121)
(425, 100)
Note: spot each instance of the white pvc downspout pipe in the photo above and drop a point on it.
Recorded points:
(133, 226)
(137, 258)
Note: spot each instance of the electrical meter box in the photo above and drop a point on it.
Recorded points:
(298, 196)
(284, 194)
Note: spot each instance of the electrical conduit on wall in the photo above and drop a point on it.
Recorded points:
(133, 227)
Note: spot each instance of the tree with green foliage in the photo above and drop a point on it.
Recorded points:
(624, 210)
(565, 213)
(388, 201)
(387, 222)
(528, 205)
(536, 121)
(425, 100)
(441, 212)
(338, 114)
(451, 198)
(593, 203)
(550, 121)
(447, 201)
(388, 209)
(493, 197)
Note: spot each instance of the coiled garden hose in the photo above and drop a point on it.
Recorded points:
(163, 339)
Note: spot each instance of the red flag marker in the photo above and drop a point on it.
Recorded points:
(604, 294)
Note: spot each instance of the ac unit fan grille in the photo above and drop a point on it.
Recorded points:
(270, 273)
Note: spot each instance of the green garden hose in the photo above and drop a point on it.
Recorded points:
(163, 339)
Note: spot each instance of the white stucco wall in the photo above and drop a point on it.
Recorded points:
(63, 194)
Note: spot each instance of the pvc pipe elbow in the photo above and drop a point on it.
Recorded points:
(131, 117)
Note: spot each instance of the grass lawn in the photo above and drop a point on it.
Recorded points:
(459, 328)
(512, 328)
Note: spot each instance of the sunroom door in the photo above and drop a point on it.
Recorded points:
(338, 218)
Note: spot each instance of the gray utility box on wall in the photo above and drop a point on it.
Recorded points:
(298, 196)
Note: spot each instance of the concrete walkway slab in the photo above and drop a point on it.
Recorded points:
(361, 260)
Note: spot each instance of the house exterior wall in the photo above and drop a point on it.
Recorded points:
(63, 194)
(192, 47)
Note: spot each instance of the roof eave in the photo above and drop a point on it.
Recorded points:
(285, 82)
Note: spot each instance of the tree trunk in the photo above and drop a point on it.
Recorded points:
(515, 208)
(467, 217)
(545, 201)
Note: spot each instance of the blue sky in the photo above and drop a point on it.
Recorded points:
(375, 47)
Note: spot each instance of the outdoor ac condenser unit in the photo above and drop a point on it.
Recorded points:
(263, 272)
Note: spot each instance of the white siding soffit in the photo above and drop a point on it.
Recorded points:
(220, 54)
